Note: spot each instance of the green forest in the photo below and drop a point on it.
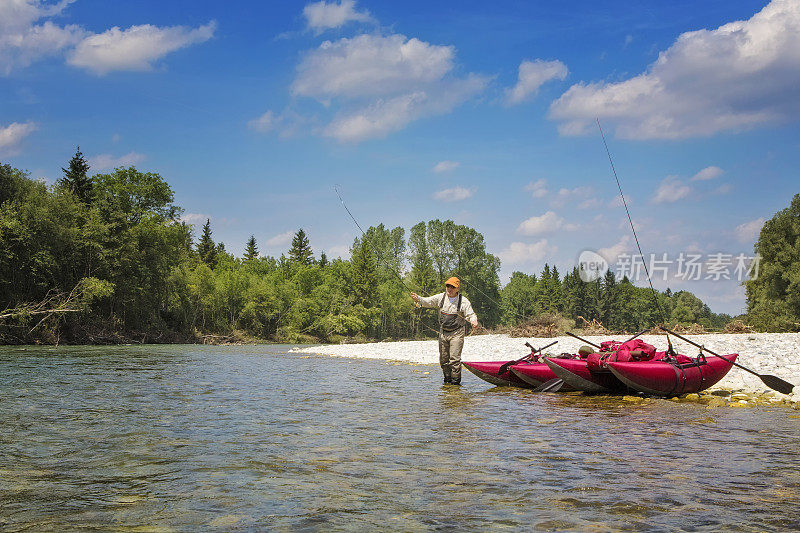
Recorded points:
(106, 258)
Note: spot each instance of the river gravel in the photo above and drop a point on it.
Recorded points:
(765, 353)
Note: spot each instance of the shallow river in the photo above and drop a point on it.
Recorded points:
(190, 438)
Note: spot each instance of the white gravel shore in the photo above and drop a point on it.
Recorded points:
(766, 353)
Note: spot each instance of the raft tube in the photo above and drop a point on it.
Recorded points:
(662, 378)
(576, 374)
(489, 371)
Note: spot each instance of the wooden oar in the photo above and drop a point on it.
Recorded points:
(505, 366)
(773, 382)
(582, 340)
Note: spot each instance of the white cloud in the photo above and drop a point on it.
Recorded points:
(322, 15)
(749, 231)
(739, 76)
(382, 83)
(22, 41)
(371, 65)
(135, 48)
(546, 223)
(708, 173)
(446, 166)
(456, 194)
(264, 123)
(194, 218)
(538, 188)
(340, 251)
(281, 239)
(382, 117)
(611, 253)
(108, 161)
(671, 190)
(564, 195)
(13, 134)
(520, 253)
(532, 75)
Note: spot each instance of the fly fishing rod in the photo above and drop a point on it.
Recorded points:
(773, 382)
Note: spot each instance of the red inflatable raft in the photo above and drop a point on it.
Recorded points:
(670, 378)
(489, 371)
(576, 374)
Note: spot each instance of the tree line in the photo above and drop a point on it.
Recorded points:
(114, 249)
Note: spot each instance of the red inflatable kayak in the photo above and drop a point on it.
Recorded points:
(576, 374)
(533, 373)
(489, 371)
(670, 378)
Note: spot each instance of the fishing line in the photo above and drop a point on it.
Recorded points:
(630, 220)
(471, 285)
(365, 241)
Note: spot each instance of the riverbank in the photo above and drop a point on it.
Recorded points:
(765, 353)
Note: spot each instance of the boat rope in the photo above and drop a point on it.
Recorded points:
(630, 220)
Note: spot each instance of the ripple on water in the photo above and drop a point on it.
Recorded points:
(176, 438)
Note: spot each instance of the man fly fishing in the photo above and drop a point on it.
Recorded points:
(454, 312)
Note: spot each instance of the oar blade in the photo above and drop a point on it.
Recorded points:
(554, 385)
(776, 383)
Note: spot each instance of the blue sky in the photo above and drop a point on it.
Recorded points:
(483, 113)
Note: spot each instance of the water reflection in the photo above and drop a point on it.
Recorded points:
(186, 438)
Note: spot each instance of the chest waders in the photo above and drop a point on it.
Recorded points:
(451, 342)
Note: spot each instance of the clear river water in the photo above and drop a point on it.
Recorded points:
(253, 438)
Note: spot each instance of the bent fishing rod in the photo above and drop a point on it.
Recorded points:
(773, 382)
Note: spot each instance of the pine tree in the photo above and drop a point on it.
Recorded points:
(323, 260)
(365, 274)
(251, 251)
(206, 248)
(76, 178)
(300, 251)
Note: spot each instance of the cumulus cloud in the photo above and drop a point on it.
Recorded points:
(739, 76)
(538, 188)
(456, 194)
(13, 134)
(546, 223)
(322, 16)
(520, 253)
(281, 239)
(532, 75)
(446, 166)
(748, 232)
(371, 65)
(108, 161)
(671, 190)
(382, 83)
(708, 173)
(135, 48)
(22, 41)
